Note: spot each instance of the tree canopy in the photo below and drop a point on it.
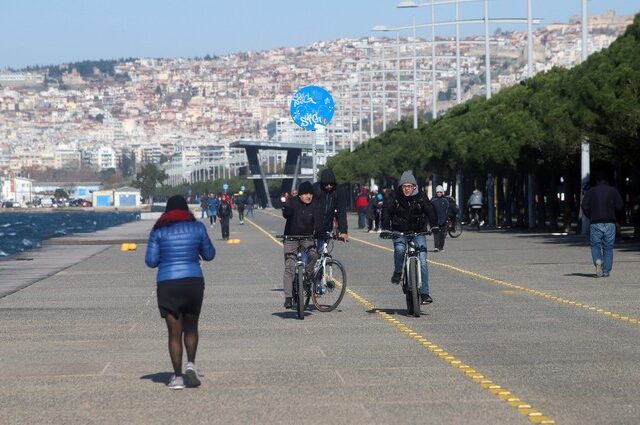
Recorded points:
(536, 125)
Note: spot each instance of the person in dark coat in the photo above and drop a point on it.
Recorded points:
(601, 204)
(441, 205)
(409, 211)
(333, 206)
(176, 244)
(303, 219)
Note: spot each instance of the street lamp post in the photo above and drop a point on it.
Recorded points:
(585, 156)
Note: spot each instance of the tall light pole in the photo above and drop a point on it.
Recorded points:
(585, 156)
(415, 68)
(434, 96)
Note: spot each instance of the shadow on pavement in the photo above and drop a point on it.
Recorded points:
(394, 311)
(291, 314)
(159, 378)
(589, 275)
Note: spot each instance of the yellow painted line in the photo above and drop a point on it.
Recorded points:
(532, 414)
(513, 286)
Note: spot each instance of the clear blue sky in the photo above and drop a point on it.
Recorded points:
(57, 31)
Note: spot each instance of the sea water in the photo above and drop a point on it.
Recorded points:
(21, 232)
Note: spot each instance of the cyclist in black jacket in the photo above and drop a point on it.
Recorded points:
(303, 219)
(410, 211)
(333, 205)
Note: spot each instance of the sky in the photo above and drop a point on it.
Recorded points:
(44, 32)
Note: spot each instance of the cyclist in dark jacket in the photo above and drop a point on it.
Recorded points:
(333, 205)
(176, 244)
(303, 219)
(409, 211)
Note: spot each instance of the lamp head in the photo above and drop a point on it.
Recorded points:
(407, 4)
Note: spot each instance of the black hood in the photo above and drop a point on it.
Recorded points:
(327, 176)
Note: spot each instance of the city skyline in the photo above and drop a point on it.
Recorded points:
(76, 31)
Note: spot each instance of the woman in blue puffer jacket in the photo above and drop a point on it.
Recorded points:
(176, 244)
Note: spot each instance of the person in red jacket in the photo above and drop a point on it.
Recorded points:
(362, 202)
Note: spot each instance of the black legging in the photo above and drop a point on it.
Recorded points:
(183, 328)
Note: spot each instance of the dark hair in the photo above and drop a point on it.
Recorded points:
(176, 202)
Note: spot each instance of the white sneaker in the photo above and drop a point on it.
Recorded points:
(176, 383)
(599, 272)
(193, 378)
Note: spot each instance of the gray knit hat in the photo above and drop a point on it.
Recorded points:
(407, 178)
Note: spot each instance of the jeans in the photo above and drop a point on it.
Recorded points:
(400, 246)
(362, 218)
(603, 236)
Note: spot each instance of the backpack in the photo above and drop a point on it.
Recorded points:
(224, 209)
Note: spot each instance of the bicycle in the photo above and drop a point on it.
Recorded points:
(326, 278)
(329, 278)
(454, 227)
(474, 216)
(411, 270)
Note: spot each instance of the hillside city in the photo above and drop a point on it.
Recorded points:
(180, 112)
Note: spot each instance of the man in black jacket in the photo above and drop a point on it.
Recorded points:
(303, 219)
(410, 211)
(600, 204)
(332, 204)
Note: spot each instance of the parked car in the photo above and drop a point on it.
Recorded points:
(85, 203)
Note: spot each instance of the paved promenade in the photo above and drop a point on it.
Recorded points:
(520, 332)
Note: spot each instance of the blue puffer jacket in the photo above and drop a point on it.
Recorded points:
(177, 250)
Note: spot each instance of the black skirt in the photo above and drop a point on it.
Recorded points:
(180, 296)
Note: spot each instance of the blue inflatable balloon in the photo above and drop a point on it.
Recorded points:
(311, 106)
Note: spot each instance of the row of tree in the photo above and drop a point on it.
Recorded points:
(533, 129)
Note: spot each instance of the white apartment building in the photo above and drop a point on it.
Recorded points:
(66, 156)
(19, 189)
(106, 158)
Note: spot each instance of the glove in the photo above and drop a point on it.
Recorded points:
(435, 229)
(385, 234)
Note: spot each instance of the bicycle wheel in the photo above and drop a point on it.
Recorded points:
(329, 286)
(456, 229)
(300, 291)
(412, 284)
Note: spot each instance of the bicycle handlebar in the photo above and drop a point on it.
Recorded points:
(389, 234)
(296, 238)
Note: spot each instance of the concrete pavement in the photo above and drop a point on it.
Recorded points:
(514, 336)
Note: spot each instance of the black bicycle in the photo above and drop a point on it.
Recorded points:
(454, 227)
(411, 271)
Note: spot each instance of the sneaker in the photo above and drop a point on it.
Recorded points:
(442, 250)
(211, 225)
(435, 250)
(176, 383)
(395, 279)
(425, 299)
(191, 375)
(288, 302)
(599, 272)
(605, 274)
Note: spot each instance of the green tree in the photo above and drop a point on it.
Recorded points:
(60, 194)
(148, 179)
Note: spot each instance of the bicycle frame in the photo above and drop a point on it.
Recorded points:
(412, 254)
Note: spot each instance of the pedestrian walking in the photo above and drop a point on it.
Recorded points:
(250, 204)
(204, 206)
(176, 244)
(600, 205)
(441, 205)
(362, 204)
(225, 213)
(240, 203)
(212, 205)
